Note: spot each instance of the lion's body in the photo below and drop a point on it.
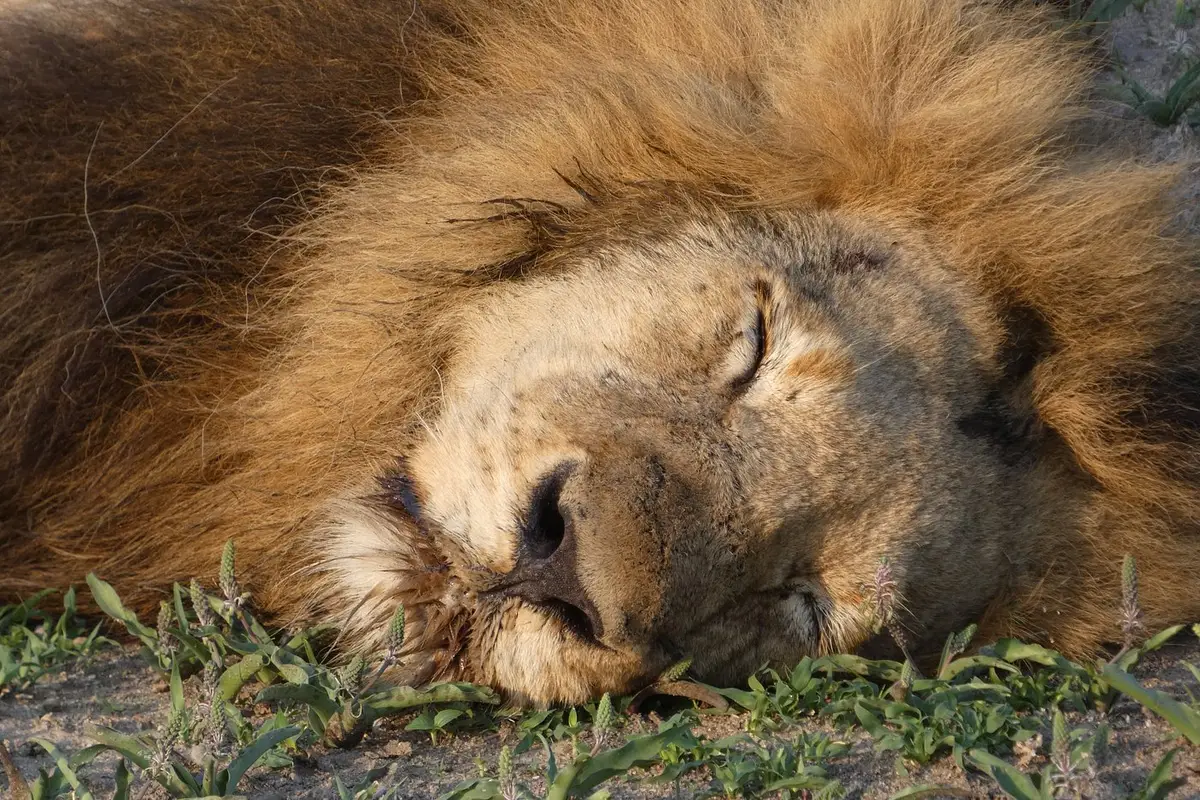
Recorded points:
(246, 247)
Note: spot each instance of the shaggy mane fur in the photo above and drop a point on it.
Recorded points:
(235, 236)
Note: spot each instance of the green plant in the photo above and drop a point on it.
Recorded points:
(372, 786)
(1049, 783)
(975, 709)
(33, 642)
(1178, 103)
(205, 748)
(64, 779)
(584, 774)
(1185, 13)
(1095, 11)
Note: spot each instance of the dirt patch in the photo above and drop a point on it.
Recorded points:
(117, 689)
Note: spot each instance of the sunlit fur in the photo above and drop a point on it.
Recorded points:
(261, 258)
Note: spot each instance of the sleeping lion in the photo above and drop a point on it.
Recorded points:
(597, 333)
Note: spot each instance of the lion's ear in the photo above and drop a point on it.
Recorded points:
(1007, 417)
(1028, 339)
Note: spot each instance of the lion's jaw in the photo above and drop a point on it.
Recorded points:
(702, 445)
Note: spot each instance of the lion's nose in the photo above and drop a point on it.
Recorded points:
(544, 528)
(547, 573)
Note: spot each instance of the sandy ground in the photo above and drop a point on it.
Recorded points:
(116, 689)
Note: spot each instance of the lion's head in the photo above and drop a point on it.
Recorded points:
(693, 357)
(699, 439)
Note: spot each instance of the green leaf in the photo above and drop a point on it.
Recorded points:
(233, 678)
(1186, 720)
(446, 716)
(180, 781)
(123, 780)
(1159, 639)
(551, 762)
(198, 650)
(474, 789)
(251, 754)
(802, 781)
(1014, 650)
(400, 698)
(110, 603)
(1183, 91)
(301, 694)
(961, 665)
(747, 700)
(422, 722)
(870, 722)
(46, 787)
(177, 700)
(929, 790)
(181, 616)
(857, 665)
(81, 758)
(1012, 781)
(801, 674)
(1105, 10)
(291, 666)
(131, 748)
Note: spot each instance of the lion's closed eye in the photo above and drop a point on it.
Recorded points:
(751, 347)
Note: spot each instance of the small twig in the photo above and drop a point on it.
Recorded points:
(17, 787)
(692, 691)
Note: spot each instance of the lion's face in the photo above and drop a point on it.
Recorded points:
(701, 444)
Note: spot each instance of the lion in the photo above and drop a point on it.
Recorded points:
(596, 333)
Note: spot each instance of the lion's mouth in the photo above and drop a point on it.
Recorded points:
(573, 620)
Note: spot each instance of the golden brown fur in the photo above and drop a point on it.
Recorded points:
(246, 247)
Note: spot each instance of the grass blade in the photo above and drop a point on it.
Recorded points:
(123, 779)
(1161, 781)
(1186, 720)
(250, 756)
(1012, 781)
(1184, 91)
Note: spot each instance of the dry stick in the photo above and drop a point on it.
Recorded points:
(18, 789)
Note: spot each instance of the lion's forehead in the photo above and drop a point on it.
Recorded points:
(622, 334)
